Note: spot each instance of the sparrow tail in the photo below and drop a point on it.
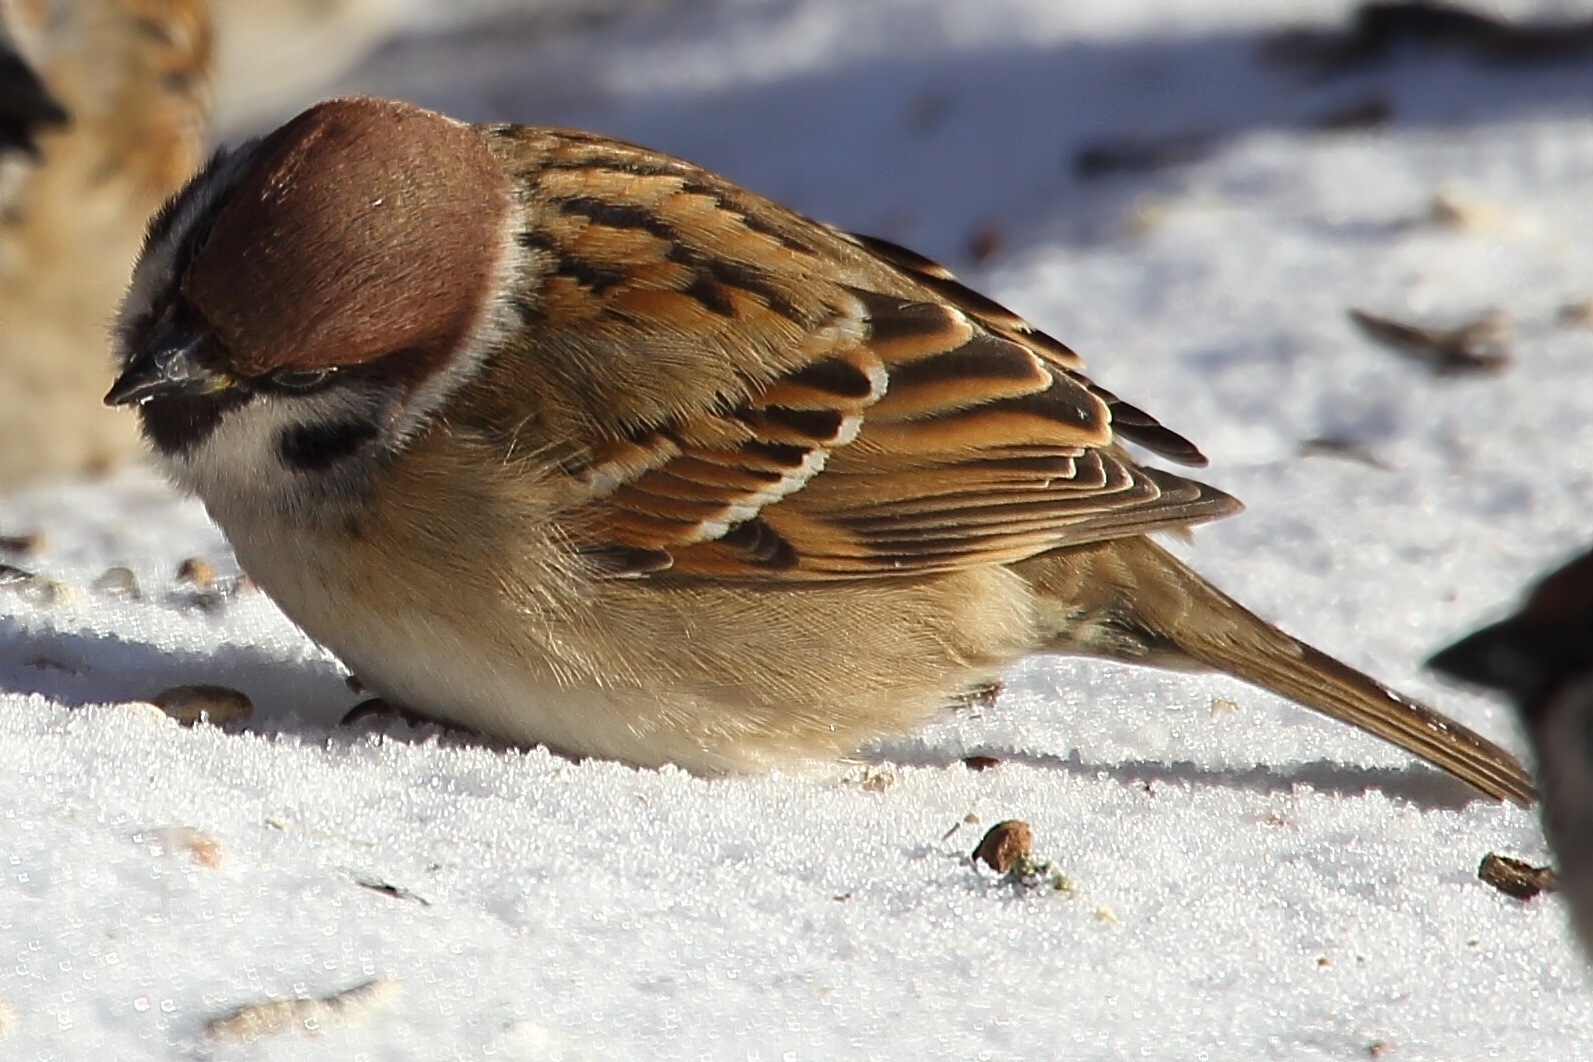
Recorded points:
(1129, 599)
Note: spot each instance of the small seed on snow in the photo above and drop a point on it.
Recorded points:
(197, 571)
(216, 705)
(1004, 844)
(117, 582)
(201, 847)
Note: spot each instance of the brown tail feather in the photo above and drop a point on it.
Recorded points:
(1131, 600)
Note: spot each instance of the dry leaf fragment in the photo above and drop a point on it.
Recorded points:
(1477, 347)
(1517, 878)
(256, 1020)
(877, 781)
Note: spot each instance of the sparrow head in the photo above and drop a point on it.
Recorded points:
(310, 298)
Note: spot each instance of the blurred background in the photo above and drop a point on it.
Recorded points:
(971, 132)
(1345, 247)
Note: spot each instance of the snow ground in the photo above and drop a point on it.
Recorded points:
(1247, 881)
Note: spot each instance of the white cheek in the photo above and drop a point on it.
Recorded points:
(238, 470)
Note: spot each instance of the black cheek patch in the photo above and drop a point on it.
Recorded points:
(176, 425)
(317, 447)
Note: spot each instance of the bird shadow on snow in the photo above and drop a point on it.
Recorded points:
(307, 698)
(80, 668)
(931, 141)
(1416, 784)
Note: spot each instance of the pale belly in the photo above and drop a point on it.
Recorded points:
(621, 694)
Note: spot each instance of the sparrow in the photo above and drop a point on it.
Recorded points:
(573, 443)
(1542, 658)
(104, 117)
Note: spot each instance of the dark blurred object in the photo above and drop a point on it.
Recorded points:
(1575, 314)
(1106, 157)
(986, 242)
(1379, 32)
(1542, 658)
(1368, 114)
(1131, 155)
(1477, 347)
(1532, 655)
(26, 106)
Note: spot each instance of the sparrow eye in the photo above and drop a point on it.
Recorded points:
(299, 380)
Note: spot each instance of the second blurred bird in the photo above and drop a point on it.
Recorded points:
(103, 106)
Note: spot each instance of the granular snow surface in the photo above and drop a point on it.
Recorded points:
(1243, 880)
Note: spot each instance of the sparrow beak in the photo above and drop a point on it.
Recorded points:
(167, 366)
(1495, 657)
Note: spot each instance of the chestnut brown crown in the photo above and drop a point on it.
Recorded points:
(364, 228)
